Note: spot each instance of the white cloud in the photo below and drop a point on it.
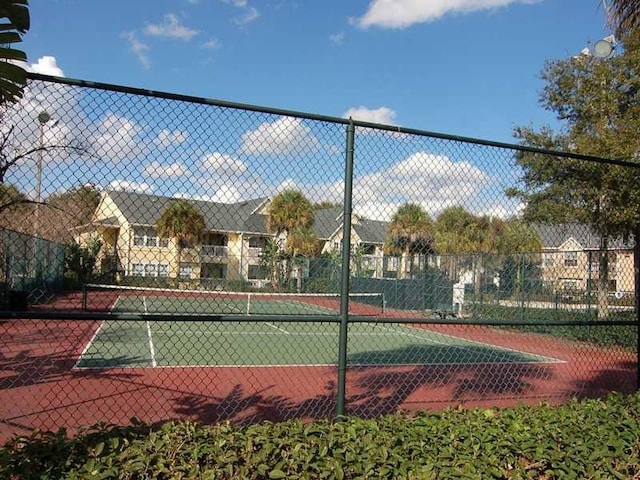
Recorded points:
(46, 65)
(116, 139)
(172, 28)
(250, 16)
(433, 181)
(227, 194)
(404, 13)
(250, 13)
(166, 138)
(382, 115)
(156, 170)
(222, 163)
(127, 186)
(284, 136)
(236, 3)
(211, 44)
(337, 38)
(138, 48)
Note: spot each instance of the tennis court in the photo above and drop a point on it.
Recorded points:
(150, 342)
(117, 344)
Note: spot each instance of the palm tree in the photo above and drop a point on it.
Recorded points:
(290, 212)
(624, 14)
(302, 243)
(184, 223)
(410, 232)
(451, 237)
(13, 78)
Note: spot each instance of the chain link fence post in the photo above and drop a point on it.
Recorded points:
(344, 282)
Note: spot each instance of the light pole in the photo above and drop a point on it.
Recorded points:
(43, 118)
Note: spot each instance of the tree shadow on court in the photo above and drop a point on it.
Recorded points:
(446, 374)
(616, 377)
(38, 352)
(243, 407)
(382, 382)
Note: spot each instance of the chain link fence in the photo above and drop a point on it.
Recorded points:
(219, 261)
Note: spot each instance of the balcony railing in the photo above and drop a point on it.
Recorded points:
(214, 251)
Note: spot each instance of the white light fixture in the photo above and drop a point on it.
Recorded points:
(604, 48)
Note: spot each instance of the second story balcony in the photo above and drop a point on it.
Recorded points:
(214, 251)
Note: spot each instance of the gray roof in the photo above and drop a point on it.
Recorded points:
(371, 231)
(553, 236)
(145, 209)
(328, 220)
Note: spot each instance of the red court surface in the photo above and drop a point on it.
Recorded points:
(41, 389)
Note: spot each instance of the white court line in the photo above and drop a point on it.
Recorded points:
(87, 346)
(278, 328)
(250, 333)
(144, 303)
(544, 359)
(93, 337)
(151, 349)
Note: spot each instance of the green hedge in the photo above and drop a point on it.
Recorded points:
(582, 439)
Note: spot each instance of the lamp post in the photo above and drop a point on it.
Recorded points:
(43, 117)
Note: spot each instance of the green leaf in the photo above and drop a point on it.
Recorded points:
(277, 474)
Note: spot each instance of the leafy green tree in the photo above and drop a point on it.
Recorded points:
(302, 243)
(271, 257)
(15, 22)
(288, 210)
(80, 261)
(624, 14)
(451, 238)
(521, 243)
(291, 214)
(409, 233)
(326, 204)
(182, 222)
(597, 102)
(459, 232)
(10, 197)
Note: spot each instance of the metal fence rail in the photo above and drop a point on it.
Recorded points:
(233, 262)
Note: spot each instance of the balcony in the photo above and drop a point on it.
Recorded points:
(209, 252)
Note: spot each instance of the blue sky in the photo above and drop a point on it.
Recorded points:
(465, 67)
(462, 67)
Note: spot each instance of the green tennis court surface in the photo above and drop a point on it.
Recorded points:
(118, 344)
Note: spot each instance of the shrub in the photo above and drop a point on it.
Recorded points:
(586, 439)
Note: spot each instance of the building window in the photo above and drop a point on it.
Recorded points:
(391, 263)
(569, 285)
(570, 259)
(151, 270)
(186, 270)
(163, 270)
(258, 272)
(254, 242)
(138, 269)
(146, 237)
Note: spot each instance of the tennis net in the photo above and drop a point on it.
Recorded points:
(148, 300)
